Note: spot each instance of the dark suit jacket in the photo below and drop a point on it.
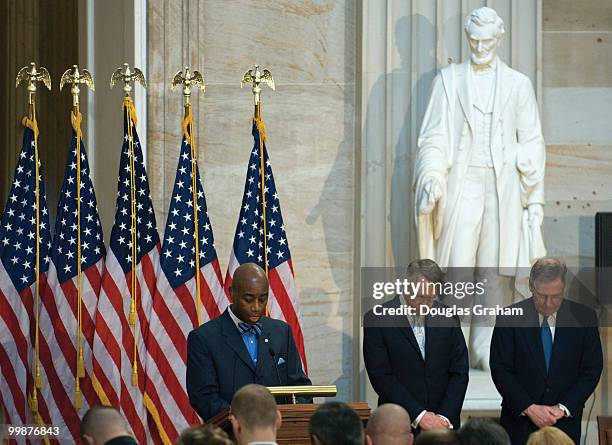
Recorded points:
(400, 375)
(519, 371)
(218, 363)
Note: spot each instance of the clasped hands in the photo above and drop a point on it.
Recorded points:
(431, 421)
(544, 415)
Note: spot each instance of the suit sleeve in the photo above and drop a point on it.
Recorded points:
(590, 367)
(503, 370)
(295, 371)
(458, 381)
(384, 382)
(201, 379)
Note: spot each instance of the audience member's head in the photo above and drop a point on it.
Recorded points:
(335, 423)
(549, 435)
(204, 435)
(389, 424)
(438, 437)
(254, 415)
(104, 425)
(483, 432)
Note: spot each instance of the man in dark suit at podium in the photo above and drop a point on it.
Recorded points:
(546, 362)
(239, 347)
(418, 361)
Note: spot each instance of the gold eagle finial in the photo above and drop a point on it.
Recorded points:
(187, 79)
(257, 77)
(76, 78)
(128, 77)
(31, 75)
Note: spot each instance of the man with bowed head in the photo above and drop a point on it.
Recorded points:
(239, 347)
(479, 171)
(547, 362)
(418, 361)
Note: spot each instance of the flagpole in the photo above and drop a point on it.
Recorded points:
(256, 77)
(76, 78)
(128, 76)
(31, 75)
(186, 79)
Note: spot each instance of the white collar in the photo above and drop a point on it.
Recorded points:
(235, 319)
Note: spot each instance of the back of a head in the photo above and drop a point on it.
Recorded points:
(438, 437)
(336, 423)
(549, 435)
(480, 431)
(254, 407)
(204, 435)
(389, 424)
(101, 424)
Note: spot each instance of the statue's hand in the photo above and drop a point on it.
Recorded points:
(536, 214)
(432, 192)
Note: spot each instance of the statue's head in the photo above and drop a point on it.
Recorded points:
(484, 30)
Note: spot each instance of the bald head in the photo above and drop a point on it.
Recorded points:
(389, 424)
(101, 424)
(249, 292)
(246, 274)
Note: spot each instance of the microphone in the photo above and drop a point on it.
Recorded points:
(280, 382)
(273, 354)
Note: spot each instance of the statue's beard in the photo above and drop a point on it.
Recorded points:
(484, 59)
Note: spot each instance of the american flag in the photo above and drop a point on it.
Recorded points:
(176, 310)
(249, 241)
(119, 349)
(18, 283)
(77, 221)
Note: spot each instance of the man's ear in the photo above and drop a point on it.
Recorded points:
(235, 424)
(87, 439)
(314, 440)
(410, 439)
(369, 441)
(279, 420)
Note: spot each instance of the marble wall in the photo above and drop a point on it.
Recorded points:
(310, 47)
(577, 105)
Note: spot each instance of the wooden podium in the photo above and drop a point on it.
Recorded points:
(294, 429)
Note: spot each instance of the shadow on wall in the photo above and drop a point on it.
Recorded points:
(338, 192)
(401, 216)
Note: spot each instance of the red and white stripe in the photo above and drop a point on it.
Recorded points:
(16, 311)
(113, 346)
(59, 352)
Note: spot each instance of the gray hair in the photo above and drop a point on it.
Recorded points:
(547, 269)
(485, 16)
(424, 268)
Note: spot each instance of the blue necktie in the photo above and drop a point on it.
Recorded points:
(250, 333)
(547, 341)
(253, 329)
